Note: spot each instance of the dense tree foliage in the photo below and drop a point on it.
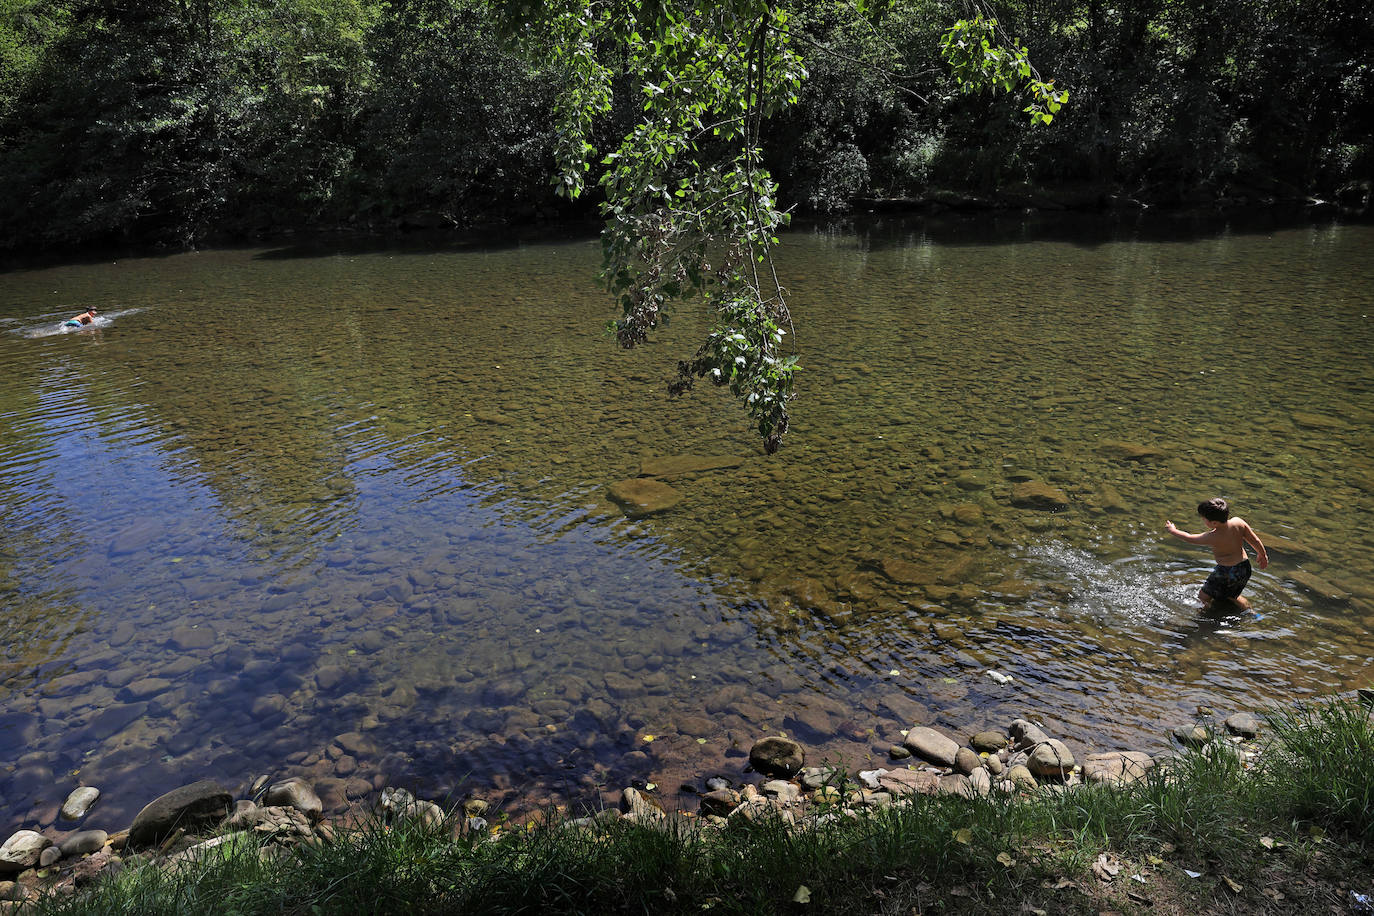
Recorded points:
(176, 119)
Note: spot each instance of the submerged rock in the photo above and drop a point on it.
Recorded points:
(1036, 494)
(1243, 724)
(641, 496)
(79, 802)
(673, 465)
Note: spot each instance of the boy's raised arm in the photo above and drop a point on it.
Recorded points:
(1185, 536)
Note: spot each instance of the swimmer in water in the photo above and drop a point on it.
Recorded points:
(85, 317)
(1227, 537)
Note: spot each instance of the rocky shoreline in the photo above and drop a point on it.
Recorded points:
(182, 825)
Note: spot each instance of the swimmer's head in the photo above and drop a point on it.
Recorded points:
(1214, 510)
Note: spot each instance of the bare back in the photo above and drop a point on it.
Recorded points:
(1228, 542)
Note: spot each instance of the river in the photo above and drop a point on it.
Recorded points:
(342, 511)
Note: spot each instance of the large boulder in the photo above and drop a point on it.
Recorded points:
(21, 851)
(202, 803)
(777, 756)
(931, 745)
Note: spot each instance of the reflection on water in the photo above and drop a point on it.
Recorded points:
(346, 514)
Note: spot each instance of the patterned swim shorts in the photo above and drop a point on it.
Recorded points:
(1227, 581)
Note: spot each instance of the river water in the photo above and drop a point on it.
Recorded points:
(344, 514)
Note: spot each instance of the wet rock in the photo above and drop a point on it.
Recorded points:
(675, 465)
(357, 745)
(1319, 586)
(988, 741)
(641, 496)
(904, 572)
(898, 752)
(295, 793)
(83, 842)
(143, 688)
(22, 850)
(79, 802)
(192, 638)
(1051, 759)
(931, 745)
(48, 856)
(107, 723)
(777, 756)
(1037, 494)
(966, 761)
(1192, 735)
(1129, 451)
(1026, 734)
(1243, 724)
(204, 802)
(1117, 766)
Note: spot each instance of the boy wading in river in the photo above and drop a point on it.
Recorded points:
(1227, 537)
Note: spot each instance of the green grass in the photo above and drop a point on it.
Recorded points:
(1202, 813)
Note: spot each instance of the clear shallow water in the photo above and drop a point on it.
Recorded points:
(345, 514)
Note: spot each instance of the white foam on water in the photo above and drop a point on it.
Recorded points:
(1137, 587)
(52, 327)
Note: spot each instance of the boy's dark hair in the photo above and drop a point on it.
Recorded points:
(1214, 510)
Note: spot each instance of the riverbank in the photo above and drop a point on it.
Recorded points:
(1277, 817)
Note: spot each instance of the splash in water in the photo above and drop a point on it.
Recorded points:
(1136, 586)
(50, 327)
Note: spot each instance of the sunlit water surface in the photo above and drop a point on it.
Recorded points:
(345, 514)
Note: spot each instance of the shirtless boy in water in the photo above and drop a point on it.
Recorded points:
(1227, 537)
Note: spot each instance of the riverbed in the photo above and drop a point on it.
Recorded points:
(341, 510)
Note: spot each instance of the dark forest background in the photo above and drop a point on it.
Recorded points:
(179, 121)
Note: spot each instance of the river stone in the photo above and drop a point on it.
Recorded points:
(189, 639)
(777, 756)
(143, 688)
(988, 741)
(673, 465)
(1022, 778)
(22, 850)
(719, 802)
(1117, 766)
(204, 802)
(980, 781)
(905, 782)
(1129, 451)
(1026, 734)
(634, 802)
(641, 496)
(955, 784)
(966, 761)
(1192, 735)
(11, 891)
(903, 572)
(898, 752)
(79, 802)
(1051, 759)
(49, 856)
(932, 745)
(295, 793)
(1319, 586)
(82, 842)
(1037, 494)
(1243, 724)
(994, 765)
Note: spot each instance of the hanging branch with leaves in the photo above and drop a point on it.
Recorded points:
(690, 209)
